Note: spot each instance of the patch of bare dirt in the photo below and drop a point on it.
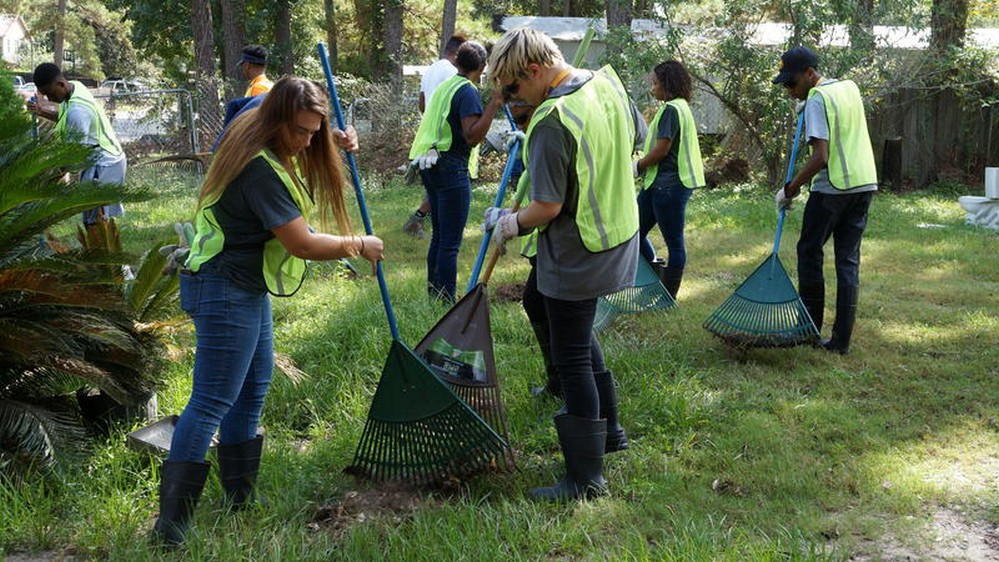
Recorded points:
(395, 502)
(950, 536)
(42, 556)
(508, 292)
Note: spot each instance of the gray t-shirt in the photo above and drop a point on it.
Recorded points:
(566, 269)
(80, 121)
(251, 205)
(817, 127)
(668, 173)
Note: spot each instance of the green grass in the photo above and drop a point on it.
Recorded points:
(775, 454)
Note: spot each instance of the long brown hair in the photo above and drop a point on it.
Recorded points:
(261, 127)
(674, 79)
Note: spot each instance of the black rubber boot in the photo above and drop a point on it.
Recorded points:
(672, 277)
(238, 466)
(814, 299)
(181, 484)
(617, 440)
(846, 315)
(583, 443)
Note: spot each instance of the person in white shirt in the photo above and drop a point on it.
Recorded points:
(441, 70)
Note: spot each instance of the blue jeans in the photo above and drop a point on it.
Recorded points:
(665, 205)
(233, 363)
(450, 193)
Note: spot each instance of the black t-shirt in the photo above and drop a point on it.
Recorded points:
(251, 205)
(669, 128)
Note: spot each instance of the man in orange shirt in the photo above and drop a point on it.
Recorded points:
(254, 64)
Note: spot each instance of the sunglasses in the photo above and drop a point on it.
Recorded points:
(512, 88)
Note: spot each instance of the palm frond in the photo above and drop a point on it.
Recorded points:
(33, 433)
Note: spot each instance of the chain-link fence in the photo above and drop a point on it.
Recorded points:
(157, 130)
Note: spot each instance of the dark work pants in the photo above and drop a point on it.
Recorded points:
(534, 306)
(576, 353)
(665, 205)
(844, 218)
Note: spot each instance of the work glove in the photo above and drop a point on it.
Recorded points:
(634, 169)
(512, 137)
(507, 227)
(428, 160)
(492, 216)
(799, 107)
(782, 200)
(412, 172)
(176, 254)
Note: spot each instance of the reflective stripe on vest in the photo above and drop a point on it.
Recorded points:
(283, 273)
(83, 98)
(599, 117)
(434, 131)
(688, 156)
(851, 158)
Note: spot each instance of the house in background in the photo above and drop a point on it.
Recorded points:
(12, 33)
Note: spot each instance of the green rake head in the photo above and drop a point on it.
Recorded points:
(646, 294)
(418, 430)
(765, 311)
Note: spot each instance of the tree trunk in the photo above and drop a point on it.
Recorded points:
(209, 108)
(618, 15)
(567, 8)
(58, 43)
(331, 32)
(545, 8)
(393, 46)
(862, 27)
(233, 38)
(282, 36)
(448, 23)
(948, 24)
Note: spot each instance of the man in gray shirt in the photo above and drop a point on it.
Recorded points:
(843, 180)
(81, 119)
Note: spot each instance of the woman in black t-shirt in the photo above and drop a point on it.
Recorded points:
(251, 240)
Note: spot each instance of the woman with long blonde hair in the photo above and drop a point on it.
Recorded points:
(274, 164)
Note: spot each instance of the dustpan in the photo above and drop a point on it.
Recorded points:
(417, 429)
(765, 310)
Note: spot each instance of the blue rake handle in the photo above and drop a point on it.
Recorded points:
(788, 177)
(338, 110)
(511, 161)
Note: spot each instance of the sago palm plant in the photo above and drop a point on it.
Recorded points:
(64, 318)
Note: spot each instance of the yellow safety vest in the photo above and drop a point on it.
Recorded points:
(851, 158)
(599, 117)
(83, 98)
(435, 131)
(283, 272)
(688, 155)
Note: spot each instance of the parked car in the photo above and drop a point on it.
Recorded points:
(18, 81)
(121, 86)
(26, 90)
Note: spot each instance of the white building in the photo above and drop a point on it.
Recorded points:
(12, 33)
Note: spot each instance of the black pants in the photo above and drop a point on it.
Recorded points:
(844, 217)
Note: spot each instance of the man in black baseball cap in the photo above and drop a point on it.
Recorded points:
(841, 177)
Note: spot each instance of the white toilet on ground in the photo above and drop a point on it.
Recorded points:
(984, 211)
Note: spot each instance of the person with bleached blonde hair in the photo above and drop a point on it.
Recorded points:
(252, 237)
(578, 153)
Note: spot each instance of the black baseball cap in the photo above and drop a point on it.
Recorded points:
(793, 61)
